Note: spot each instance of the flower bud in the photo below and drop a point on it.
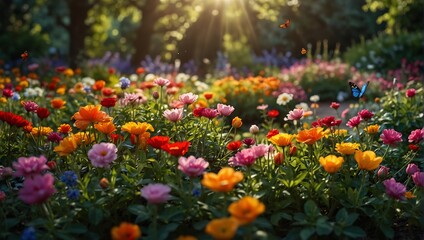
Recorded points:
(254, 129)
(383, 172)
(104, 183)
(279, 159)
(236, 122)
(155, 95)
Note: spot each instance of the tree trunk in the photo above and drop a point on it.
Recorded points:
(78, 30)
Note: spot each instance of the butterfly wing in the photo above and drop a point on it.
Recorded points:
(356, 92)
(363, 89)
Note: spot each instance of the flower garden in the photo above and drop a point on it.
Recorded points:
(171, 156)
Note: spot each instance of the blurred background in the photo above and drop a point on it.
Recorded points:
(201, 34)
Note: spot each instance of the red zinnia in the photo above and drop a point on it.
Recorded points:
(234, 145)
(13, 119)
(108, 102)
(42, 112)
(176, 148)
(198, 112)
(272, 133)
(158, 141)
(273, 113)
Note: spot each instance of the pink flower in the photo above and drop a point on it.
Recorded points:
(5, 172)
(365, 114)
(383, 172)
(132, 99)
(295, 114)
(345, 112)
(261, 149)
(418, 179)
(188, 98)
(30, 106)
(27, 167)
(173, 115)
(192, 166)
(209, 113)
(410, 92)
(391, 137)
(354, 122)
(156, 193)
(416, 135)
(102, 154)
(37, 189)
(176, 104)
(394, 189)
(161, 82)
(335, 105)
(245, 157)
(262, 107)
(412, 168)
(224, 110)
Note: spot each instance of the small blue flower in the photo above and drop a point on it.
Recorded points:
(16, 96)
(196, 192)
(69, 178)
(72, 194)
(125, 82)
(28, 234)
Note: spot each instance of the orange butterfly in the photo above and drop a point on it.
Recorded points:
(286, 24)
(24, 56)
(303, 51)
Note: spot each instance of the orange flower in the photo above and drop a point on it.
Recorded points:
(105, 127)
(236, 122)
(347, 148)
(246, 209)
(98, 85)
(222, 228)
(208, 95)
(224, 181)
(137, 128)
(310, 136)
(90, 114)
(367, 160)
(66, 146)
(64, 128)
(83, 138)
(409, 195)
(331, 163)
(61, 90)
(69, 72)
(281, 139)
(43, 131)
(372, 129)
(57, 103)
(126, 231)
(186, 237)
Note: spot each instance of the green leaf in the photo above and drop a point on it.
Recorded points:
(140, 211)
(351, 218)
(341, 215)
(172, 214)
(387, 230)
(95, 216)
(263, 223)
(76, 228)
(354, 232)
(276, 217)
(306, 233)
(324, 228)
(200, 225)
(311, 208)
(11, 222)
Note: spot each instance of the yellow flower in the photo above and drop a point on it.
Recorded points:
(367, 160)
(347, 148)
(61, 90)
(372, 129)
(222, 228)
(281, 139)
(69, 72)
(83, 138)
(66, 146)
(246, 209)
(341, 132)
(331, 163)
(409, 195)
(3, 100)
(43, 131)
(236, 122)
(105, 127)
(137, 128)
(126, 231)
(310, 136)
(224, 181)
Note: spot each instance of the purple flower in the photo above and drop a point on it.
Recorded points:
(174, 114)
(30, 106)
(156, 193)
(354, 122)
(225, 110)
(418, 179)
(28, 234)
(37, 189)
(102, 154)
(188, 98)
(245, 157)
(132, 99)
(416, 135)
(391, 137)
(365, 114)
(72, 194)
(27, 167)
(192, 166)
(412, 168)
(394, 189)
(125, 82)
(54, 137)
(69, 178)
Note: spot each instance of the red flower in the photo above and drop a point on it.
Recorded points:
(176, 148)
(107, 91)
(158, 141)
(278, 158)
(272, 133)
(115, 138)
(335, 105)
(234, 145)
(198, 112)
(273, 113)
(13, 119)
(42, 112)
(139, 70)
(7, 92)
(108, 102)
(51, 164)
(60, 69)
(329, 121)
(414, 147)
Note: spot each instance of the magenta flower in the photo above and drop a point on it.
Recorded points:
(391, 137)
(54, 137)
(209, 113)
(156, 193)
(345, 112)
(412, 168)
(295, 114)
(245, 157)
(174, 114)
(102, 154)
(188, 98)
(418, 179)
(410, 92)
(224, 110)
(365, 114)
(30, 106)
(416, 135)
(249, 141)
(394, 189)
(37, 189)
(354, 122)
(192, 166)
(27, 167)
(5, 172)
(161, 82)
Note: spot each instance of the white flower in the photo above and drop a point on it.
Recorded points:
(134, 77)
(201, 86)
(181, 77)
(149, 77)
(303, 106)
(284, 98)
(314, 98)
(88, 81)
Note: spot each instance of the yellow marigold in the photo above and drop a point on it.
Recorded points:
(89, 115)
(281, 139)
(331, 163)
(314, 105)
(24, 84)
(61, 90)
(137, 128)
(3, 100)
(310, 136)
(83, 138)
(79, 87)
(43, 131)
(347, 148)
(105, 127)
(367, 160)
(141, 140)
(57, 103)
(222, 228)
(372, 129)
(69, 72)
(66, 146)
(224, 181)
(246, 209)
(126, 231)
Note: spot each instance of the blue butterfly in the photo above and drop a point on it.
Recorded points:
(356, 91)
